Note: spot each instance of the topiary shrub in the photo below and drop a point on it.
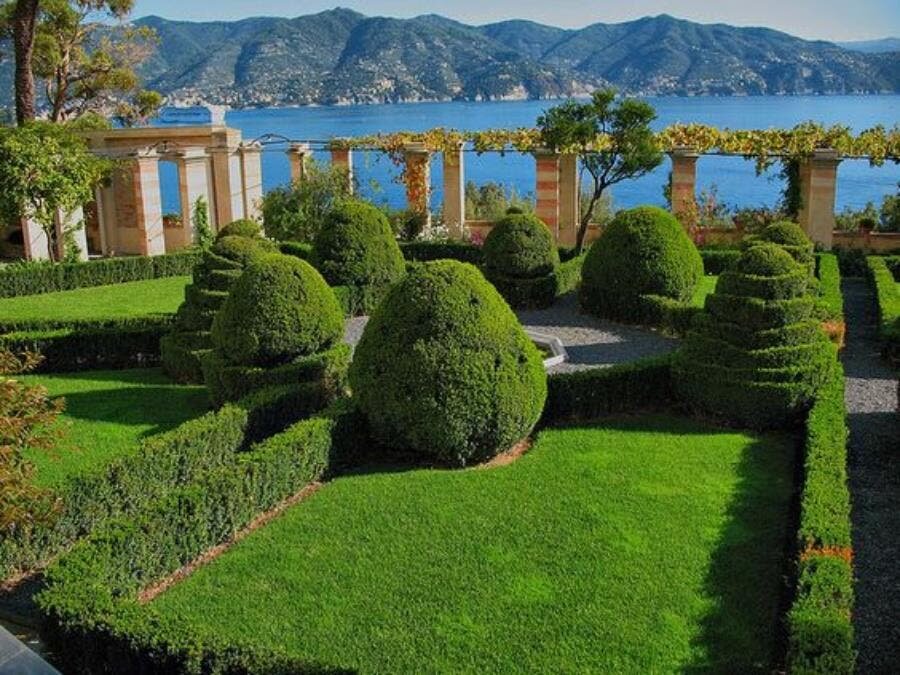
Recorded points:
(444, 369)
(217, 270)
(789, 236)
(643, 251)
(356, 248)
(757, 356)
(240, 228)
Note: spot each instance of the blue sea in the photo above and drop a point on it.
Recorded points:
(735, 178)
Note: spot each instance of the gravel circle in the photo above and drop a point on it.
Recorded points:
(589, 342)
(874, 473)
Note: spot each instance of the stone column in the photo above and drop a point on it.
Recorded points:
(343, 158)
(35, 240)
(139, 226)
(454, 192)
(298, 154)
(71, 222)
(547, 189)
(418, 179)
(569, 206)
(105, 200)
(251, 178)
(818, 182)
(226, 185)
(193, 184)
(684, 180)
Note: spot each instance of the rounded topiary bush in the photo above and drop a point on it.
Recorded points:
(241, 249)
(790, 236)
(280, 308)
(757, 355)
(240, 228)
(444, 369)
(520, 246)
(355, 247)
(643, 251)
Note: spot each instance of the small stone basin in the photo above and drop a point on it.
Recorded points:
(551, 347)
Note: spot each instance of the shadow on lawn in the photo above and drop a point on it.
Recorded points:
(747, 578)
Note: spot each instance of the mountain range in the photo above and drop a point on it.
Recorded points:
(341, 56)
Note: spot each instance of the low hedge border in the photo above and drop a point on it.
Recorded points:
(540, 292)
(36, 278)
(157, 465)
(717, 260)
(888, 305)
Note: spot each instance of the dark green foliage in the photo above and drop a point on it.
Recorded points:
(717, 260)
(520, 246)
(590, 394)
(789, 236)
(744, 361)
(355, 247)
(445, 370)
(888, 298)
(671, 316)
(423, 251)
(852, 261)
(831, 300)
(243, 227)
(34, 278)
(297, 249)
(644, 251)
(242, 250)
(279, 309)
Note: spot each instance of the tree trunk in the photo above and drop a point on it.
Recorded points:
(24, 19)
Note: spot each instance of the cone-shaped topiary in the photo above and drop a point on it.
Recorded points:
(280, 308)
(240, 228)
(643, 251)
(757, 355)
(218, 268)
(444, 368)
(356, 248)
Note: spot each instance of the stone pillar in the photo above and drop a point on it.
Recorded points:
(226, 185)
(454, 192)
(105, 201)
(139, 226)
(193, 184)
(343, 158)
(684, 180)
(298, 154)
(818, 183)
(35, 240)
(569, 194)
(418, 179)
(71, 222)
(547, 189)
(251, 178)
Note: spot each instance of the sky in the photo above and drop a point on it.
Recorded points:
(812, 19)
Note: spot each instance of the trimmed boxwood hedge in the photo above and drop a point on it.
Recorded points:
(717, 260)
(424, 251)
(36, 278)
(644, 251)
(888, 300)
(243, 227)
(445, 370)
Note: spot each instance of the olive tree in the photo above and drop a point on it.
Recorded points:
(611, 137)
(45, 170)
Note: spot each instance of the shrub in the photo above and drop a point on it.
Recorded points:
(355, 247)
(644, 251)
(445, 370)
(789, 236)
(752, 359)
(717, 260)
(242, 250)
(243, 227)
(520, 246)
(888, 305)
(279, 308)
(423, 251)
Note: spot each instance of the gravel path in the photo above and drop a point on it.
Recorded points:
(589, 342)
(874, 467)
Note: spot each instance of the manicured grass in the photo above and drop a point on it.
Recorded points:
(706, 286)
(108, 413)
(134, 298)
(644, 544)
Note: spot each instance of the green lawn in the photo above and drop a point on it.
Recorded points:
(107, 413)
(706, 286)
(134, 298)
(648, 544)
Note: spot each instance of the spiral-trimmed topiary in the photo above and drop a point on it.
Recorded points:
(243, 227)
(757, 355)
(789, 236)
(356, 248)
(643, 251)
(444, 368)
(217, 270)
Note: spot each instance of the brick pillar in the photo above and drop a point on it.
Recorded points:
(418, 179)
(139, 226)
(251, 180)
(569, 206)
(684, 180)
(298, 153)
(226, 185)
(343, 158)
(454, 192)
(547, 189)
(193, 184)
(818, 182)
